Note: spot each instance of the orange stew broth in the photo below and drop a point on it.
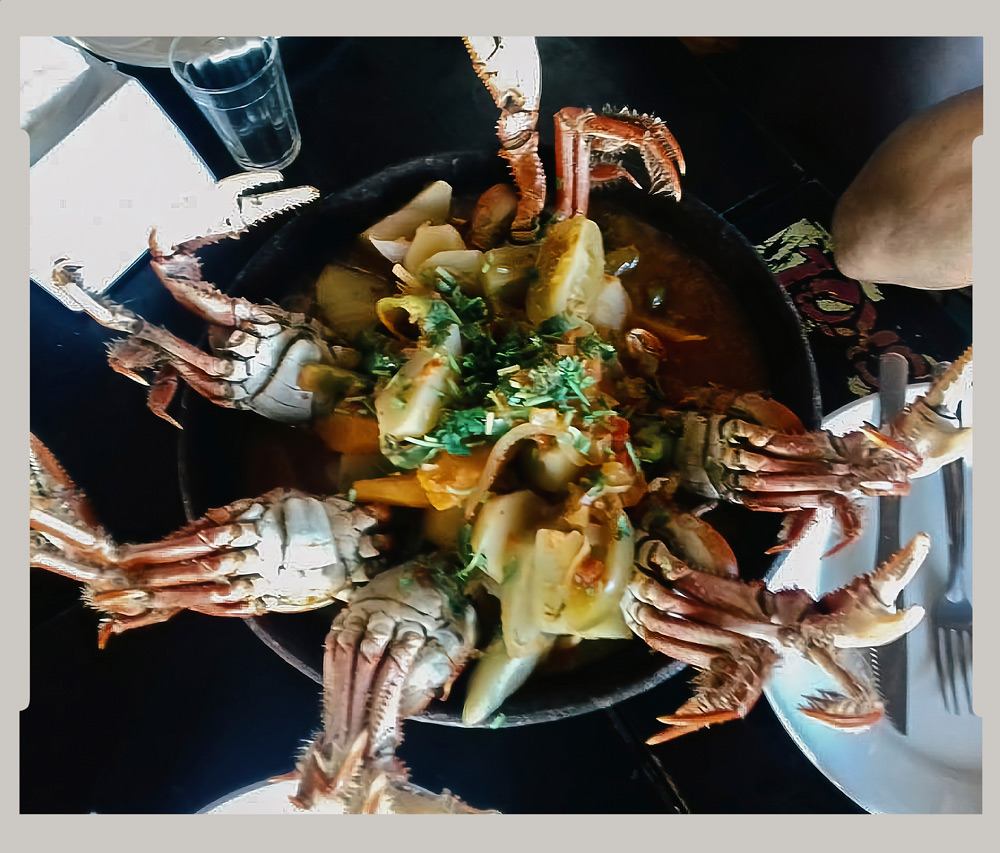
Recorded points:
(673, 291)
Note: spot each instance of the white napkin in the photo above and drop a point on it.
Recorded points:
(107, 163)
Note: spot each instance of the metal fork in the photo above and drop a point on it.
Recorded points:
(952, 613)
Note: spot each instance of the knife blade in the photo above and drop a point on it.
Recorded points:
(889, 661)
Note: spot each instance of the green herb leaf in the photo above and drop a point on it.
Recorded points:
(594, 346)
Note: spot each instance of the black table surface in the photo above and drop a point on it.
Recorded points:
(171, 717)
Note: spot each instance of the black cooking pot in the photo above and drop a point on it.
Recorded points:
(225, 455)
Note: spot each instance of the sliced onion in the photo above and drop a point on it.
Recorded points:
(394, 250)
(429, 241)
(499, 455)
(392, 236)
(612, 305)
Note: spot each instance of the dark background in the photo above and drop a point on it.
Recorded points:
(171, 717)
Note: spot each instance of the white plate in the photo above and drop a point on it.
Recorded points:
(260, 798)
(937, 766)
(148, 51)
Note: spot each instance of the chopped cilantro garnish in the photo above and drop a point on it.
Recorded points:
(600, 414)
(632, 455)
(465, 553)
(554, 327)
(555, 382)
(594, 346)
(383, 362)
(467, 309)
(438, 322)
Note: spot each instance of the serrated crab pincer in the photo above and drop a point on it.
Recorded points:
(734, 633)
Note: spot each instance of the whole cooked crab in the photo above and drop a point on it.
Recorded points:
(604, 562)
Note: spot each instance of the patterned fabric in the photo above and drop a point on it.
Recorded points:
(840, 315)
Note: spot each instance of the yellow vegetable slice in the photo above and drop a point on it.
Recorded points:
(449, 480)
(347, 297)
(442, 527)
(503, 523)
(352, 433)
(592, 601)
(570, 271)
(411, 402)
(506, 272)
(429, 241)
(463, 265)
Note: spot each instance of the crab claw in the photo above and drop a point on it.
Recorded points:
(227, 209)
(859, 615)
(841, 712)
(732, 631)
(580, 132)
(57, 502)
(929, 425)
(862, 614)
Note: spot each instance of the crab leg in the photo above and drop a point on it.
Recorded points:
(751, 450)
(580, 131)
(285, 552)
(258, 355)
(859, 709)
(510, 69)
(258, 352)
(120, 624)
(397, 643)
(68, 277)
(732, 667)
(929, 425)
(180, 272)
(704, 548)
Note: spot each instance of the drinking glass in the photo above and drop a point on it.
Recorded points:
(240, 87)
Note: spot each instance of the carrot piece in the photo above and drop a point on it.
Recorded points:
(400, 490)
(449, 480)
(351, 433)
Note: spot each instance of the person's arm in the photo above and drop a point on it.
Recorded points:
(907, 217)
